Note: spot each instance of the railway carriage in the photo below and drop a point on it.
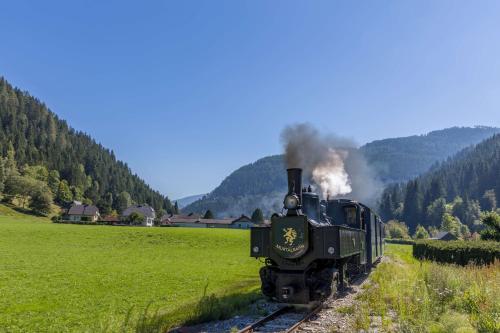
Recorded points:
(311, 248)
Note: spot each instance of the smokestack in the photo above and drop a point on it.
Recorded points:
(295, 182)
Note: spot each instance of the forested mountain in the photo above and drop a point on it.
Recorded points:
(36, 145)
(401, 159)
(262, 184)
(183, 202)
(462, 187)
(256, 185)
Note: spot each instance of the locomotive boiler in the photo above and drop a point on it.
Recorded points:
(314, 245)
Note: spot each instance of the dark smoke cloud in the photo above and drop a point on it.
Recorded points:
(332, 163)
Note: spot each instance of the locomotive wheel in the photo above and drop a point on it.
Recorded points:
(323, 283)
(268, 279)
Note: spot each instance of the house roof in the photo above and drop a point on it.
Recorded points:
(145, 210)
(243, 218)
(217, 221)
(110, 218)
(86, 210)
(442, 234)
(181, 219)
(191, 219)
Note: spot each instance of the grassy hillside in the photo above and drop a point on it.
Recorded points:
(86, 278)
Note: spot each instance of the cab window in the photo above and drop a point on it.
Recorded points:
(350, 215)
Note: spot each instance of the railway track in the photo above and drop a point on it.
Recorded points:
(285, 319)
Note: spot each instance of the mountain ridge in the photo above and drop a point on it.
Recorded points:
(262, 183)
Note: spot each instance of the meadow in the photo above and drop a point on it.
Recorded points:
(422, 296)
(61, 278)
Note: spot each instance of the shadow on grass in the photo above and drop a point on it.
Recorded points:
(208, 308)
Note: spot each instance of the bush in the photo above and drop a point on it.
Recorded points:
(492, 222)
(136, 218)
(400, 241)
(395, 230)
(457, 252)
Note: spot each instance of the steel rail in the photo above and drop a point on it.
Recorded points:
(305, 318)
(261, 322)
(250, 328)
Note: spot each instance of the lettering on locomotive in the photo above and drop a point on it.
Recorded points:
(290, 249)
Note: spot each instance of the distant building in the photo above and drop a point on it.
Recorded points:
(193, 221)
(444, 236)
(147, 211)
(110, 219)
(165, 220)
(243, 222)
(183, 221)
(82, 213)
(218, 223)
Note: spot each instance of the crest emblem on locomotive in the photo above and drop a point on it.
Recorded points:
(289, 234)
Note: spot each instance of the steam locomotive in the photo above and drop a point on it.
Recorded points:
(311, 249)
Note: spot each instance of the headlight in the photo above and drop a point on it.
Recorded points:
(291, 201)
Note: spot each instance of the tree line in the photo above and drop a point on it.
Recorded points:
(453, 195)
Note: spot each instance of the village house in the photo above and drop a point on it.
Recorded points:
(243, 222)
(147, 211)
(82, 213)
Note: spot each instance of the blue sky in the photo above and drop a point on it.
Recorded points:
(187, 91)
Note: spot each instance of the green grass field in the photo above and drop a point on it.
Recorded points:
(61, 278)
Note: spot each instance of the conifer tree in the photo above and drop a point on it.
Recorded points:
(208, 215)
(257, 216)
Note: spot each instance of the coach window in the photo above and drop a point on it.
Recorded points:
(363, 219)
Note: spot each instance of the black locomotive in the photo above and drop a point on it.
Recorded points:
(310, 250)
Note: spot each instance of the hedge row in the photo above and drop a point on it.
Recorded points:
(457, 252)
(84, 222)
(399, 241)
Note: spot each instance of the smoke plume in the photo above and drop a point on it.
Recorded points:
(332, 163)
